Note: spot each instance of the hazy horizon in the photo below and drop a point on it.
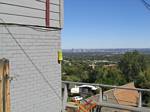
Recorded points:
(106, 48)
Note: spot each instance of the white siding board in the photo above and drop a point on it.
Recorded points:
(21, 12)
(29, 92)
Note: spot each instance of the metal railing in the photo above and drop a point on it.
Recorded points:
(101, 103)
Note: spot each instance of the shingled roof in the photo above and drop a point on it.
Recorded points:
(127, 97)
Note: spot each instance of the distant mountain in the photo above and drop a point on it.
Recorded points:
(112, 51)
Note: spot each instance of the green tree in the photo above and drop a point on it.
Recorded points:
(132, 64)
(110, 76)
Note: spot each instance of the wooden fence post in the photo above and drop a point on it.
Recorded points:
(4, 86)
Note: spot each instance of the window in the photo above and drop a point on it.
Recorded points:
(105, 97)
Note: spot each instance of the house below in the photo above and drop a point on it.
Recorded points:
(121, 97)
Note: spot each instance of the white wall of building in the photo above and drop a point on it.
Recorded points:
(29, 90)
(32, 12)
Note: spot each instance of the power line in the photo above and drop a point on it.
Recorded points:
(34, 26)
(29, 58)
(147, 5)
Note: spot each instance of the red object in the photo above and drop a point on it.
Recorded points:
(47, 13)
(88, 102)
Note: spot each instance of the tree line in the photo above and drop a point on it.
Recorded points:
(119, 70)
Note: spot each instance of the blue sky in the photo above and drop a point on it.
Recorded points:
(106, 24)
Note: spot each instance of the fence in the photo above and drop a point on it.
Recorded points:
(101, 103)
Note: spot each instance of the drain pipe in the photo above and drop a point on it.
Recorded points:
(47, 13)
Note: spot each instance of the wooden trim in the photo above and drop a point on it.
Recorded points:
(1, 85)
(7, 87)
(4, 86)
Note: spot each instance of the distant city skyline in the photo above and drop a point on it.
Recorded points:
(110, 50)
(106, 24)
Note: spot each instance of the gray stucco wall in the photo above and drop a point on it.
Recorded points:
(29, 91)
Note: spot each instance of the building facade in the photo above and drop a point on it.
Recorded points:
(30, 38)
